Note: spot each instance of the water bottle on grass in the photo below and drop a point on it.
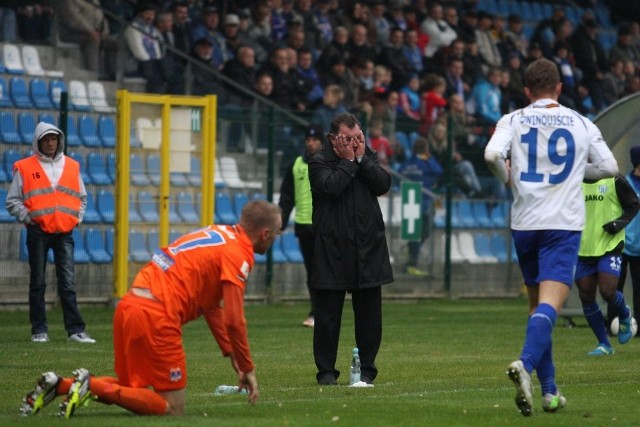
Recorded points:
(354, 373)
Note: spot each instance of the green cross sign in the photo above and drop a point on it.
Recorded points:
(196, 120)
(411, 193)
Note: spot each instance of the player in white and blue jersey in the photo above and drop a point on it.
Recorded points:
(544, 151)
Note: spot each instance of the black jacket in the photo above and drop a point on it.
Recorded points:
(351, 248)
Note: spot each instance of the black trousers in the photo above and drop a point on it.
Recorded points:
(306, 237)
(367, 312)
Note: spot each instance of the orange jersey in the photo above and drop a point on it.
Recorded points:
(195, 274)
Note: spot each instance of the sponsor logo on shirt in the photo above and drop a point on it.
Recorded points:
(175, 374)
(244, 270)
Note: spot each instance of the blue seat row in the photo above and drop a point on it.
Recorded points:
(92, 245)
(286, 248)
(476, 214)
(86, 130)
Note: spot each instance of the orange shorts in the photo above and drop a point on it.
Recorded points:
(147, 345)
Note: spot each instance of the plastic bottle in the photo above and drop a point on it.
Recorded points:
(354, 376)
(229, 389)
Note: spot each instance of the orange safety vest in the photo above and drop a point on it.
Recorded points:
(56, 210)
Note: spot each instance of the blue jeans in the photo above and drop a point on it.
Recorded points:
(38, 245)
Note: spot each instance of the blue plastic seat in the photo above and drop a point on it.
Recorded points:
(483, 248)
(4, 214)
(56, 87)
(26, 127)
(186, 208)
(86, 178)
(107, 131)
(71, 138)
(40, 94)
(138, 251)
(224, 208)
(277, 254)
(111, 166)
(153, 168)
(109, 240)
(91, 215)
(105, 203)
(8, 129)
(5, 98)
(499, 214)
(465, 213)
(9, 157)
(97, 169)
(80, 254)
(153, 241)
(19, 93)
(291, 247)
(47, 117)
(178, 179)
(87, 131)
(4, 176)
(481, 214)
(239, 200)
(96, 246)
(137, 170)
(499, 247)
(195, 175)
(148, 204)
(134, 211)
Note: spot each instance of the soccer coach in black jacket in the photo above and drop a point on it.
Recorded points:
(350, 253)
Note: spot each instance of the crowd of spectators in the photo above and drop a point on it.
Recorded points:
(400, 63)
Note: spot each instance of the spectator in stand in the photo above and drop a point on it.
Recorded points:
(385, 109)
(433, 103)
(515, 87)
(289, 88)
(424, 168)
(487, 47)
(534, 53)
(359, 76)
(487, 99)
(454, 80)
(232, 39)
(338, 47)
(208, 26)
(237, 103)
(633, 85)
(409, 106)
(259, 30)
(382, 25)
(624, 49)
(396, 16)
(325, 22)
(468, 24)
(308, 71)
(308, 20)
(34, 22)
(331, 105)
(462, 126)
(359, 45)
(392, 57)
(591, 59)
(337, 75)
(172, 70)
(296, 38)
(83, 23)
(514, 37)
(544, 33)
(181, 26)
(142, 39)
(614, 82)
(381, 78)
(8, 21)
(380, 144)
(437, 29)
(204, 81)
(450, 15)
(473, 63)
(412, 51)
(278, 22)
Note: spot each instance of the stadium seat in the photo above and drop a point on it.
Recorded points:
(499, 247)
(78, 97)
(72, 137)
(111, 166)
(231, 175)
(96, 246)
(4, 214)
(239, 200)
(109, 240)
(465, 213)
(11, 59)
(23, 252)
(91, 215)
(174, 216)
(32, 65)
(105, 203)
(47, 117)
(8, 129)
(4, 176)
(148, 204)
(195, 175)
(98, 98)
(178, 179)
(224, 208)
(56, 87)
(153, 241)
(138, 251)
(19, 93)
(149, 134)
(186, 208)
(137, 170)
(291, 247)
(482, 245)
(218, 179)
(107, 131)
(499, 213)
(97, 169)
(277, 254)
(134, 211)
(481, 214)
(153, 168)
(9, 157)
(80, 254)
(78, 157)
(26, 127)
(456, 255)
(467, 248)
(134, 141)
(87, 131)
(5, 99)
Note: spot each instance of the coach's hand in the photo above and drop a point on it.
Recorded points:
(249, 382)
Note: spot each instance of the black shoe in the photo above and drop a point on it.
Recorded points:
(327, 380)
(366, 379)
